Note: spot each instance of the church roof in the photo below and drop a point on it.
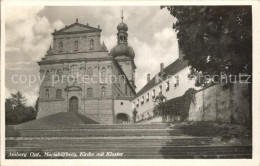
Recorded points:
(171, 69)
(76, 28)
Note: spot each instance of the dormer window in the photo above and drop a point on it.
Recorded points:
(92, 44)
(60, 46)
(76, 45)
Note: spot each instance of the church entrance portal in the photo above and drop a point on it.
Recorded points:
(73, 107)
(122, 118)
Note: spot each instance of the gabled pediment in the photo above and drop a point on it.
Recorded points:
(77, 28)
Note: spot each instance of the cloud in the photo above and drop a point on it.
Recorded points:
(28, 36)
(163, 50)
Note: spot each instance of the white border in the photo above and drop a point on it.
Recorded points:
(142, 162)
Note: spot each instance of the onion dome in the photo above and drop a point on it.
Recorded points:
(122, 27)
(123, 49)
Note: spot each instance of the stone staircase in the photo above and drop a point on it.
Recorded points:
(123, 141)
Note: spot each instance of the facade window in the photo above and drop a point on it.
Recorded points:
(59, 74)
(142, 102)
(122, 103)
(177, 81)
(103, 91)
(160, 89)
(91, 44)
(147, 97)
(90, 72)
(60, 46)
(130, 93)
(89, 92)
(76, 45)
(74, 70)
(133, 104)
(47, 94)
(137, 104)
(153, 94)
(48, 74)
(58, 94)
(103, 74)
(167, 86)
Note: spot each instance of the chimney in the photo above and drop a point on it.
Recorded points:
(148, 78)
(77, 20)
(161, 66)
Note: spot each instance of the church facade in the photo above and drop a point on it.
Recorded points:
(80, 75)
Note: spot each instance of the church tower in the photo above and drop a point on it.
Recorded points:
(123, 53)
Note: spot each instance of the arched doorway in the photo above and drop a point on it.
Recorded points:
(122, 118)
(73, 105)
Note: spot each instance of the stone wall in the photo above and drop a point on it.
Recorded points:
(99, 110)
(51, 107)
(123, 106)
(222, 103)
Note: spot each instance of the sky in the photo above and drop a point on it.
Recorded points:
(28, 36)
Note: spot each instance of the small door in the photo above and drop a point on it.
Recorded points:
(73, 107)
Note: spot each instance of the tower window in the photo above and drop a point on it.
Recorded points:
(58, 94)
(47, 74)
(91, 44)
(121, 38)
(103, 74)
(60, 46)
(47, 95)
(76, 45)
(103, 91)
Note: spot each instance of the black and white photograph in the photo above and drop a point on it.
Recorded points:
(162, 81)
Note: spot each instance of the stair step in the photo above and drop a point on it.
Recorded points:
(91, 132)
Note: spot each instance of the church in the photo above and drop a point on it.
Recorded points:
(106, 81)
(82, 76)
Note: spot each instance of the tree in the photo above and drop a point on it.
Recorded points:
(216, 40)
(16, 111)
(18, 99)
